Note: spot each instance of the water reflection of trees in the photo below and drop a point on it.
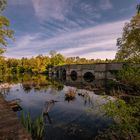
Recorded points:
(56, 85)
(40, 83)
(30, 82)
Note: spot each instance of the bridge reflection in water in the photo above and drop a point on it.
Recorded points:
(87, 82)
(93, 76)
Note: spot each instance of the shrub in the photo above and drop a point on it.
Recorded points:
(126, 120)
(130, 75)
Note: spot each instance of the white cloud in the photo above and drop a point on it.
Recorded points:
(90, 10)
(94, 41)
(103, 44)
(105, 4)
(100, 55)
(49, 8)
(113, 29)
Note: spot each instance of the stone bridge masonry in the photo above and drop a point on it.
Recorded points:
(95, 71)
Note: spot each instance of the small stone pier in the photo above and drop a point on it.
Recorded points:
(10, 126)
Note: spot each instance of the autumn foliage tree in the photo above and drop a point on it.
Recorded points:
(129, 43)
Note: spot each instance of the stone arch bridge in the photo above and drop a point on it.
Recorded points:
(90, 71)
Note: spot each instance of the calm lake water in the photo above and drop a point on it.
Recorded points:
(78, 119)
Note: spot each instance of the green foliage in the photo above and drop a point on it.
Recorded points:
(40, 64)
(21, 69)
(78, 60)
(138, 8)
(5, 32)
(125, 117)
(56, 85)
(2, 51)
(1, 55)
(35, 127)
(57, 60)
(32, 65)
(129, 75)
(13, 70)
(3, 4)
(129, 43)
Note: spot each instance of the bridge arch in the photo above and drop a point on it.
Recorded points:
(74, 75)
(64, 74)
(89, 77)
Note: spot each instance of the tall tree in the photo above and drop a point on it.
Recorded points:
(129, 43)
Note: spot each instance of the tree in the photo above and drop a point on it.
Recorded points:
(138, 8)
(1, 51)
(5, 32)
(3, 4)
(129, 43)
(57, 59)
(1, 54)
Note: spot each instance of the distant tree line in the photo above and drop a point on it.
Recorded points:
(33, 65)
(40, 63)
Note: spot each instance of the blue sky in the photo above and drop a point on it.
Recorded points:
(85, 28)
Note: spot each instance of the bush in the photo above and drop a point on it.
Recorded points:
(126, 119)
(130, 75)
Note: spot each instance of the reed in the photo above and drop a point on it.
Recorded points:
(35, 127)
